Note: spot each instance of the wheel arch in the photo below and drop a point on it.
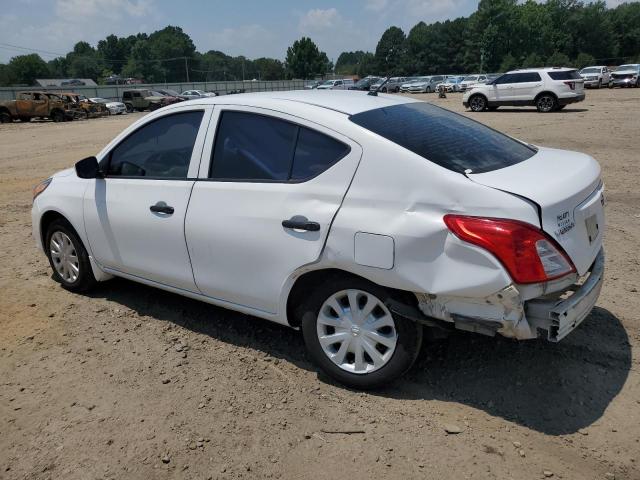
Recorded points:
(545, 92)
(310, 279)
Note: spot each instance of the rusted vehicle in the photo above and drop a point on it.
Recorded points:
(81, 107)
(30, 105)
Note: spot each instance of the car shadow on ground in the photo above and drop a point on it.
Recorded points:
(555, 388)
(533, 110)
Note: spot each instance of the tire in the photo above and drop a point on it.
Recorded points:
(546, 103)
(68, 258)
(428, 90)
(403, 337)
(477, 103)
(5, 117)
(599, 84)
(57, 116)
(129, 107)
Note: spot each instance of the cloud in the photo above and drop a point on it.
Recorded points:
(318, 20)
(252, 41)
(376, 5)
(102, 8)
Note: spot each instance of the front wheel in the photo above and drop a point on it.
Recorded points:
(546, 103)
(68, 258)
(129, 107)
(478, 103)
(354, 338)
(57, 116)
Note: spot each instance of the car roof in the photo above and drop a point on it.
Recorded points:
(348, 102)
(543, 69)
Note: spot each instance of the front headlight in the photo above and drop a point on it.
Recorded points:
(41, 187)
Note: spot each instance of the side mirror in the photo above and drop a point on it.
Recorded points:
(88, 168)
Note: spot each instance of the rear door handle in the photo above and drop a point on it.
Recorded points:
(161, 207)
(302, 224)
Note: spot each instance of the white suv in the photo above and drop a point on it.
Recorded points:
(547, 89)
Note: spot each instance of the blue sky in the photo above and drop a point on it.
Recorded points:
(253, 28)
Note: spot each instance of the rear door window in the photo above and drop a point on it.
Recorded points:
(445, 138)
(260, 148)
(565, 75)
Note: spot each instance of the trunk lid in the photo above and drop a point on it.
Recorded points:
(568, 189)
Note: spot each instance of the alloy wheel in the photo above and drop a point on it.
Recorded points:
(356, 331)
(546, 103)
(477, 104)
(64, 257)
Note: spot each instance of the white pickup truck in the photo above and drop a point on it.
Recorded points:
(596, 77)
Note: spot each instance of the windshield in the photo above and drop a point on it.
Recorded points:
(627, 67)
(470, 78)
(447, 139)
(590, 70)
(328, 82)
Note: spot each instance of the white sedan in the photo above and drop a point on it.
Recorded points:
(115, 108)
(359, 219)
(191, 94)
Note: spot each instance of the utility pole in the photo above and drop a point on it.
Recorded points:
(186, 68)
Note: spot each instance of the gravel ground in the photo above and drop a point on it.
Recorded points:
(132, 382)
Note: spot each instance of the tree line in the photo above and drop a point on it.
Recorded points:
(504, 34)
(500, 35)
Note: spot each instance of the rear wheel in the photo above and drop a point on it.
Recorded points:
(546, 103)
(477, 103)
(57, 116)
(352, 335)
(68, 258)
(5, 117)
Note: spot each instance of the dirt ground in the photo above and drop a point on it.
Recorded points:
(132, 382)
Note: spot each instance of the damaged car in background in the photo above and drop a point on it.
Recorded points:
(361, 220)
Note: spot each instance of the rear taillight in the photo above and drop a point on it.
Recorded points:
(572, 85)
(528, 254)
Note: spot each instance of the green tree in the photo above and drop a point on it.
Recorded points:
(533, 60)
(558, 59)
(348, 63)
(24, 69)
(142, 65)
(269, 68)
(304, 59)
(390, 52)
(584, 60)
(508, 63)
(5, 75)
(171, 46)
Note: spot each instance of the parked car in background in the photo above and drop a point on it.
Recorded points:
(596, 77)
(30, 105)
(340, 84)
(191, 94)
(626, 76)
(452, 83)
(404, 88)
(425, 85)
(312, 84)
(170, 93)
(470, 80)
(142, 99)
(114, 107)
(391, 86)
(547, 89)
(317, 227)
(364, 83)
(79, 106)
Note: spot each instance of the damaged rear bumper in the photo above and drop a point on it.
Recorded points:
(512, 312)
(558, 314)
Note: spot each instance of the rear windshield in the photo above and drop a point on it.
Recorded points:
(450, 140)
(565, 75)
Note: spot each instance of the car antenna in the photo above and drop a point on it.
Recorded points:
(375, 92)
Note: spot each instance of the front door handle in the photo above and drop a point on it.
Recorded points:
(161, 207)
(301, 223)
